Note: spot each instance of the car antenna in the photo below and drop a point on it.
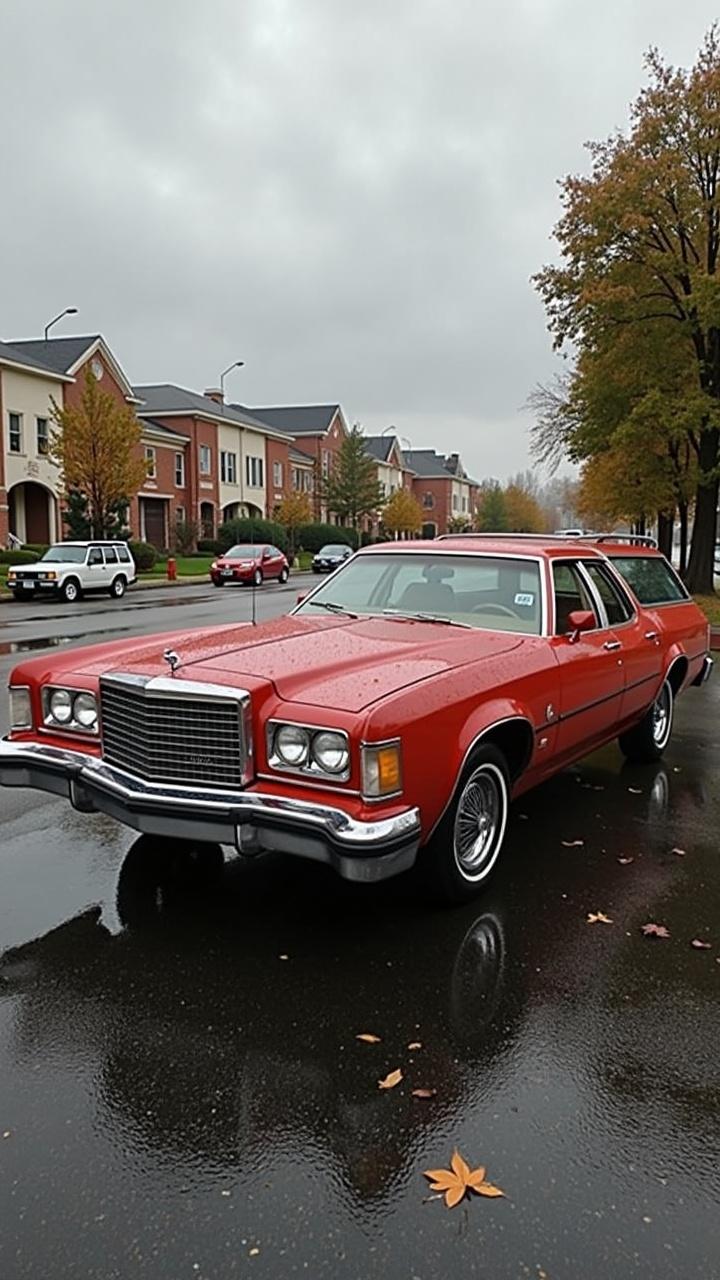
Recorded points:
(253, 618)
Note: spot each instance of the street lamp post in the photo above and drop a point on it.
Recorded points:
(69, 311)
(237, 364)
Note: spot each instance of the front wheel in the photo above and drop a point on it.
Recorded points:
(647, 741)
(218, 582)
(257, 578)
(70, 591)
(462, 853)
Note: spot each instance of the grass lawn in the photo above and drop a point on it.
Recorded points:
(187, 567)
(710, 605)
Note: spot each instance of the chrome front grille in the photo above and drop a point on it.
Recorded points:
(176, 732)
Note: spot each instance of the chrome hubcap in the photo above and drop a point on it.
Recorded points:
(480, 822)
(661, 716)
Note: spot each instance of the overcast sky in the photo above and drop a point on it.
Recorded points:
(350, 197)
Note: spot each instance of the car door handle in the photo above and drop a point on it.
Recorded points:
(612, 644)
(651, 635)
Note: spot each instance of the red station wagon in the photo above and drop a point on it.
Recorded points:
(391, 717)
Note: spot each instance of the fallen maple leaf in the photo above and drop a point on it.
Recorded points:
(635, 791)
(424, 1093)
(598, 917)
(680, 852)
(458, 1179)
(415, 1044)
(700, 945)
(391, 1080)
(655, 931)
(572, 844)
(624, 862)
(368, 1037)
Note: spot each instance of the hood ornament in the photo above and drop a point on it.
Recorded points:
(172, 659)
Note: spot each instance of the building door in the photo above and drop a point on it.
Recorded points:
(29, 513)
(207, 520)
(429, 530)
(154, 522)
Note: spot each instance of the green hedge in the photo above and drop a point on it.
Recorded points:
(234, 531)
(144, 555)
(18, 557)
(311, 537)
(38, 547)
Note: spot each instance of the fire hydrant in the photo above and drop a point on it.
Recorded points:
(171, 569)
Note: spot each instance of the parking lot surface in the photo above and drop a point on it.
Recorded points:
(182, 1090)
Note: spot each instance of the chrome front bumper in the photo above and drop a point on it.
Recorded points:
(253, 821)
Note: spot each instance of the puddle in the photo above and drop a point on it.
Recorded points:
(51, 642)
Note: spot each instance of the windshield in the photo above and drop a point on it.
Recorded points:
(333, 550)
(492, 593)
(243, 553)
(65, 555)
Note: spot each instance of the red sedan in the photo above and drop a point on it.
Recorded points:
(392, 717)
(250, 563)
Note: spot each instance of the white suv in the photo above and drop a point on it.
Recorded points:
(69, 569)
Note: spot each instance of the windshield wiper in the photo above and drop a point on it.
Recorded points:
(331, 607)
(427, 617)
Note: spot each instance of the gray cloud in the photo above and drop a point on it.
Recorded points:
(351, 198)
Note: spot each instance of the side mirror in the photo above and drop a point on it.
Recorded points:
(580, 620)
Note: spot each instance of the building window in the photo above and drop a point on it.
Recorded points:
(205, 460)
(277, 475)
(295, 478)
(326, 456)
(43, 441)
(180, 473)
(428, 500)
(455, 502)
(180, 515)
(465, 504)
(150, 462)
(15, 429)
(254, 471)
(228, 467)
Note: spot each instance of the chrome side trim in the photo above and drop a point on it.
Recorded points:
(475, 742)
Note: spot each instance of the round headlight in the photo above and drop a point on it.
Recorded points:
(330, 752)
(292, 744)
(61, 706)
(85, 710)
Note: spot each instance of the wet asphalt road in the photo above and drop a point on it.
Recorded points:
(182, 1093)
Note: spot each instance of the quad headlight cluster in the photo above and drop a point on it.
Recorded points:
(73, 710)
(315, 752)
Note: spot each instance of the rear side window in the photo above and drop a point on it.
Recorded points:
(111, 556)
(123, 555)
(617, 605)
(651, 578)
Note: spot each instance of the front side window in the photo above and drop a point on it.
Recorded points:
(15, 432)
(205, 460)
(150, 462)
(651, 579)
(571, 595)
(95, 556)
(617, 605)
(490, 593)
(43, 439)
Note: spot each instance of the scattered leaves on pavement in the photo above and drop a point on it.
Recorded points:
(655, 931)
(456, 1181)
(625, 862)
(598, 917)
(424, 1093)
(368, 1037)
(391, 1080)
(700, 945)
(572, 844)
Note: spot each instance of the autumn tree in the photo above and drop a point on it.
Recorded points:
(640, 245)
(351, 489)
(491, 515)
(96, 445)
(402, 513)
(293, 512)
(522, 510)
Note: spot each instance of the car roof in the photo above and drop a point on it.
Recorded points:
(92, 542)
(544, 545)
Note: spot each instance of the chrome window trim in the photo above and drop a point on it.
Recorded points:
(590, 587)
(623, 588)
(306, 771)
(366, 744)
(406, 548)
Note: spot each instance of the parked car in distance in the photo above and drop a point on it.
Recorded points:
(72, 569)
(390, 717)
(249, 563)
(331, 556)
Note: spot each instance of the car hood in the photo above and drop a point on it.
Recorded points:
(342, 663)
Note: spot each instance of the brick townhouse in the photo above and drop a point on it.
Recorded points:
(443, 488)
(318, 431)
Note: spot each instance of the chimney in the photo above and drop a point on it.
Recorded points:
(214, 393)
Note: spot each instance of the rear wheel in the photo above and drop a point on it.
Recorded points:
(462, 853)
(117, 590)
(70, 590)
(284, 574)
(647, 741)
